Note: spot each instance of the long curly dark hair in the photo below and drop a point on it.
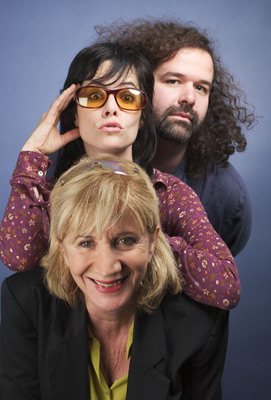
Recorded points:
(220, 134)
(84, 67)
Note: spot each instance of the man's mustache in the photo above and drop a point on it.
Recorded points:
(182, 108)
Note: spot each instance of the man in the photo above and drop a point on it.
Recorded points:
(198, 114)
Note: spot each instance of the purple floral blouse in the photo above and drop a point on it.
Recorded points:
(206, 264)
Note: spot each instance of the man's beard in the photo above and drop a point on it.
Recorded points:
(177, 131)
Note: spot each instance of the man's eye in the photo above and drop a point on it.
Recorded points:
(202, 89)
(172, 81)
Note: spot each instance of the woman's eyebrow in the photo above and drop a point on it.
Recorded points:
(128, 84)
(83, 237)
(98, 83)
(126, 233)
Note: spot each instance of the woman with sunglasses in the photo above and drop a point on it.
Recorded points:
(105, 107)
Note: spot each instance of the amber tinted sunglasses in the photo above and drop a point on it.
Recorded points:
(127, 99)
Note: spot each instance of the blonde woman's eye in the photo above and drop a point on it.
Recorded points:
(126, 241)
(86, 243)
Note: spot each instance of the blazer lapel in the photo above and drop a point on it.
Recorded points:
(146, 374)
(67, 355)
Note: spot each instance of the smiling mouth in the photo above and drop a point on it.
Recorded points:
(108, 285)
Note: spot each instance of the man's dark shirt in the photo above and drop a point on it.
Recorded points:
(226, 201)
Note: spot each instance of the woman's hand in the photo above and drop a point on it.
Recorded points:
(46, 138)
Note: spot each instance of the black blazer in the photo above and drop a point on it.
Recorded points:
(178, 351)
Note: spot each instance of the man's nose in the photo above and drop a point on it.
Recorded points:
(187, 94)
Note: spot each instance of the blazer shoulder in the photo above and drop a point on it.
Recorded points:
(179, 310)
(25, 281)
(29, 291)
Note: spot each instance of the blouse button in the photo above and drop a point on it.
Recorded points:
(40, 173)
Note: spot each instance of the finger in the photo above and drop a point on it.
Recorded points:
(69, 95)
(61, 102)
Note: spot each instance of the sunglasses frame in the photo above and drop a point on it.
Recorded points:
(108, 92)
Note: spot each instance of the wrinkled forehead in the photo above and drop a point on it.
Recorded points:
(97, 226)
(110, 72)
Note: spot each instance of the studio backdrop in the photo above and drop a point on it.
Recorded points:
(38, 42)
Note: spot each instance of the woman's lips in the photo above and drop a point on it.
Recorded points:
(111, 127)
(109, 286)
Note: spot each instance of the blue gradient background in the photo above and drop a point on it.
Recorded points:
(38, 42)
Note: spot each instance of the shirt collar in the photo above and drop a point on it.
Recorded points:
(159, 179)
(180, 169)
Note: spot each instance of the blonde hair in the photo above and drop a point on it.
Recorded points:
(93, 195)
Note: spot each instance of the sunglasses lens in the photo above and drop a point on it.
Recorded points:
(95, 97)
(131, 99)
(91, 97)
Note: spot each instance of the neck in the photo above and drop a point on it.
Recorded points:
(168, 154)
(103, 326)
(122, 154)
(112, 334)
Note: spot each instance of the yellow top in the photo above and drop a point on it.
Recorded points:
(99, 389)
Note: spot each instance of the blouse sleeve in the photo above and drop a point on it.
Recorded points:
(206, 264)
(24, 232)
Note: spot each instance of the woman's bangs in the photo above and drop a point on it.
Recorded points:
(118, 71)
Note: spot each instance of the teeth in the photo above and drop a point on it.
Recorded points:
(107, 285)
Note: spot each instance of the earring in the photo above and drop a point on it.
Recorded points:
(143, 287)
(62, 284)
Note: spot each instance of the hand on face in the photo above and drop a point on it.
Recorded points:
(46, 138)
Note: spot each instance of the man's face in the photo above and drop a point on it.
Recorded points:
(181, 94)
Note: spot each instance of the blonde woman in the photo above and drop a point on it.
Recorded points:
(105, 317)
